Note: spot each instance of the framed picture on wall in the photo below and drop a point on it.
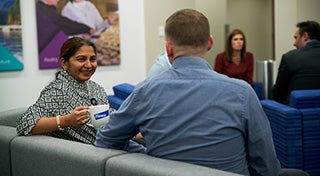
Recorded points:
(94, 20)
(10, 36)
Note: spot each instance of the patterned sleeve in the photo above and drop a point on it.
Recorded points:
(29, 119)
(46, 106)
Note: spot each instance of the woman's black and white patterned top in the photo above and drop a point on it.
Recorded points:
(60, 97)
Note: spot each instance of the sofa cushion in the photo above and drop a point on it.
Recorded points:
(6, 135)
(10, 117)
(49, 156)
(137, 164)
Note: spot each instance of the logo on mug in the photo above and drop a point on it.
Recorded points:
(101, 115)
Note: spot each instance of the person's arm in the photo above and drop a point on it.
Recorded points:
(281, 88)
(218, 66)
(249, 72)
(41, 119)
(121, 128)
(73, 28)
(65, 24)
(261, 156)
(76, 118)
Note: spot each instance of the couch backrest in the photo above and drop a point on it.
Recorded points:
(49, 156)
(44, 155)
(305, 99)
(137, 164)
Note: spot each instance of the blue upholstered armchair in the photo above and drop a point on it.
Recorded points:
(121, 92)
(296, 130)
(258, 88)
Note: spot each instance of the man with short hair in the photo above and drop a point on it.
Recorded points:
(299, 68)
(193, 114)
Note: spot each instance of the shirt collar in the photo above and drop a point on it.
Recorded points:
(191, 62)
(310, 41)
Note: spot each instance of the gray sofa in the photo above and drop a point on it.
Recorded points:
(43, 155)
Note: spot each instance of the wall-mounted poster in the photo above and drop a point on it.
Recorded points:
(94, 20)
(10, 36)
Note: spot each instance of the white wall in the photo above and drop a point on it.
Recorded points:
(158, 11)
(308, 10)
(287, 14)
(215, 11)
(21, 88)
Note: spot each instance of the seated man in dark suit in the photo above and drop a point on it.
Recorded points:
(300, 68)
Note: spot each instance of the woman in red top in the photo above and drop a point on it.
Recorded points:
(235, 61)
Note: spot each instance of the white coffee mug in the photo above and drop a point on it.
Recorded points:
(99, 115)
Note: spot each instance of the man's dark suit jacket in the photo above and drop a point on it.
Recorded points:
(299, 69)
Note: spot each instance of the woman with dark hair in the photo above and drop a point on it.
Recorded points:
(61, 109)
(235, 61)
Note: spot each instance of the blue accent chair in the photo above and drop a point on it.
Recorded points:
(258, 88)
(121, 92)
(296, 130)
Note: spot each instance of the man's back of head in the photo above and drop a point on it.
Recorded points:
(187, 27)
(187, 31)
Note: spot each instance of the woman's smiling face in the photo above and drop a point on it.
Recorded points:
(82, 65)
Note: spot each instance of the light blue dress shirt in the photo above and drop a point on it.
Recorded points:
(193, 114)
(161, 64)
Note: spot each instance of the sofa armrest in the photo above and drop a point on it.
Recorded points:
(137, 164)
(10, 117)
(45, 155)
(285, 122)
(6, 135)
